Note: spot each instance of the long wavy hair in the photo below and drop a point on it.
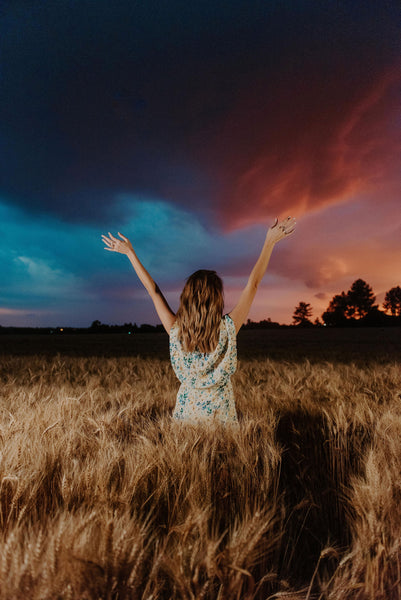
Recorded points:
(200, 311)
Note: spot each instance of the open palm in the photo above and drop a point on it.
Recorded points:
(113, 244)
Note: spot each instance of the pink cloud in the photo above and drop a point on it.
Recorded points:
(311, 147)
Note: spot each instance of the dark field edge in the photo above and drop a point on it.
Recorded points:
(340, 345)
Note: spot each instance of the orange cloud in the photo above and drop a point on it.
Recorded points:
(313, 146)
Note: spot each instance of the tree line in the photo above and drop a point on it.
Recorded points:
(355, 307)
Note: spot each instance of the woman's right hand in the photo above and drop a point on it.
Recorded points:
(113, 244)
(281, 229)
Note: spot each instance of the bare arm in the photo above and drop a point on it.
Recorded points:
(124, 246)
(274, 234)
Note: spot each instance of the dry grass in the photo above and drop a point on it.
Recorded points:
(102, 496)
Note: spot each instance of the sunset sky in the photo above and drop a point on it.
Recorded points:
(188, 126)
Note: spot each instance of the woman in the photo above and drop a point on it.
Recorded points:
(203, 348)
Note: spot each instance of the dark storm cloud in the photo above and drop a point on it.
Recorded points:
(100, 97)
(198, 103)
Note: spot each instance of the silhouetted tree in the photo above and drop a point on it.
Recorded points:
(375, 317)
(360, 298)
(357, 304)
(302, 314)
(337, 311)
(392, 301)
(264, 324)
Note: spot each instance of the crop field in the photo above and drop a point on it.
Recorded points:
(102, 496)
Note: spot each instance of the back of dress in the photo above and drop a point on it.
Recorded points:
(206, 391)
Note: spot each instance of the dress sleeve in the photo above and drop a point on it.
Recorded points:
(231, 357)
(230, 327)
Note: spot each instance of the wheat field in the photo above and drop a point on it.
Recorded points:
(102, 496)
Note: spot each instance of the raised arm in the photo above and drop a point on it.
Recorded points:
(274, 234)
(124, 246)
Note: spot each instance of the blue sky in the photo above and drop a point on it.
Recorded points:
(58, 273)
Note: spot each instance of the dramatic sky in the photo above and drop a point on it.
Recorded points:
(188, 126)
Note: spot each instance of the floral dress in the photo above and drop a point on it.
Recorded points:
(206, 391)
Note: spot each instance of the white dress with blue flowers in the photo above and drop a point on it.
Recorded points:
(206, 391)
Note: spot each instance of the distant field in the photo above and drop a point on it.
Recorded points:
(324, 343)
(102, 496)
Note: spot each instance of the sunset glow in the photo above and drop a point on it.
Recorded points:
(189, 128)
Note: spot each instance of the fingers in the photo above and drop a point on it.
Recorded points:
(290, 226)
(107, 241)
(109, 246)
(112, 240)
(288, 222)
(286, 226)
(111, 243)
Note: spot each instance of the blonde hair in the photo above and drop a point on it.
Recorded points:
(200, 311)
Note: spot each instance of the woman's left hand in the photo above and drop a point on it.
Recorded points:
(113, 244)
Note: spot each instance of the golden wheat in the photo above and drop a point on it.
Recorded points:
(103, 496)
